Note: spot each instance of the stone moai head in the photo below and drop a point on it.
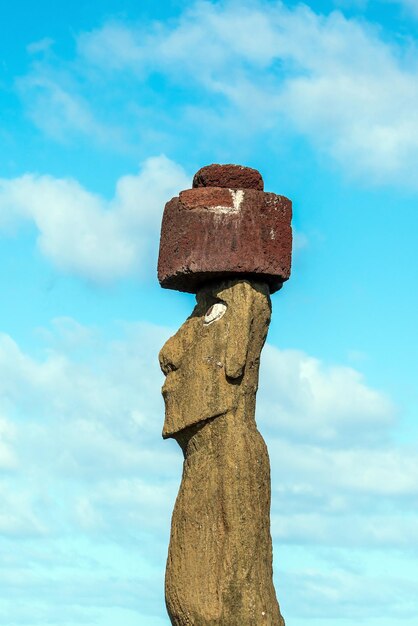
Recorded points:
(230, 243)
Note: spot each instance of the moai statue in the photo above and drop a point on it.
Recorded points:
(230, 243)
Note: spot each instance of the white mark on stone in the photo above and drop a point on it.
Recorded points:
(214, 313)
(237, 196)
(272, 234)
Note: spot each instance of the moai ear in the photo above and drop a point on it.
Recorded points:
(239, 330)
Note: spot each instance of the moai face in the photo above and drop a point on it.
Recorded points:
(213, 358)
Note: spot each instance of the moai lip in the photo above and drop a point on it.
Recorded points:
(225, 227)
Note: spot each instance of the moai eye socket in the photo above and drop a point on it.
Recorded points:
(214, 313)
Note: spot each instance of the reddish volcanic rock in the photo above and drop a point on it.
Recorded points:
(229, 176)
(213, 233)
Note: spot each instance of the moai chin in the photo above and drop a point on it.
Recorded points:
(230, 243)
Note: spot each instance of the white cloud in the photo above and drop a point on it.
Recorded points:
(18, 516)
(333, 595)
(7, 455)
(41, 45)
(390, 471)
(124, 46)
(347, 531)
(303, 398)
(410, 6)
(85, 459)
(83, 233)
(92, 398)
(55, 106)
(336, 80)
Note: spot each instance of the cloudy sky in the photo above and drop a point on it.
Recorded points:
(107, 110)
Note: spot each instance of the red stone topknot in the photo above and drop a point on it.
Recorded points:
(226, 226)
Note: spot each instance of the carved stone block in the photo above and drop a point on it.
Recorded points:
(233, 176)
(215, 233)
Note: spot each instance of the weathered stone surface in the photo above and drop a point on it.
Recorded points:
(232, 176)
(213, 233)
(219, 567)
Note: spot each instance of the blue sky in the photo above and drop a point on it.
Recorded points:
(107, 110)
